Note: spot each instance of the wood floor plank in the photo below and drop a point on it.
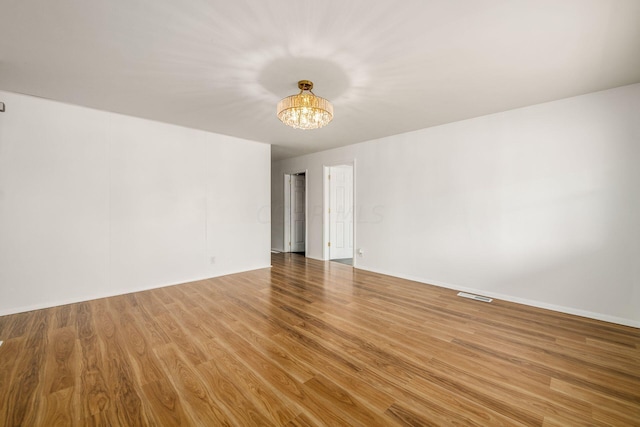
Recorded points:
(281, 381)
(281, 355)
(273, 405)
(144, 362)
(188, 347)
(310, 343)
(62, 363)
(4, 322)
(22, 399)
(64, 316)
(165, 405)
(123, 387)
(228, 394)
(18, 325)
(561, 371)
(189, 384)
(93, 388)
(340, 400)
(58, 408)
(611, 408)
(435, 400)
(148, 323)
(9, 355)
(301, 421)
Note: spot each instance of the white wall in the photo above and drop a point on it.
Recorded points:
(95, 204)
(539, 205)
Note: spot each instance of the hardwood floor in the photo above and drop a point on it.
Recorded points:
(312, 343)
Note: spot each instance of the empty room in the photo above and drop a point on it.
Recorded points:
(330, 213)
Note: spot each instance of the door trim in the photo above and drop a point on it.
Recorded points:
(288, 207)
(325, 207)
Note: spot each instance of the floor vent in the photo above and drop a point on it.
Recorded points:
(475, 297)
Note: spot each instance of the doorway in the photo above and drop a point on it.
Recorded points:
(295, 212)
(339, 214)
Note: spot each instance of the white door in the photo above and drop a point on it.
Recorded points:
(297, 213)
(341, 212)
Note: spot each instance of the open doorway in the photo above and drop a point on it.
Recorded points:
(339, 213)
(295, 213)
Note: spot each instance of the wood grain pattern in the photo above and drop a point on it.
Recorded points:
(310, 343)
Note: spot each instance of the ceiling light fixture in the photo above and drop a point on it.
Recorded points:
(305, 110)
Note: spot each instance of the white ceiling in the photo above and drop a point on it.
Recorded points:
(388, 66)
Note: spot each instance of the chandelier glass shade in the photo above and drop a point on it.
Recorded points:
(305, 110)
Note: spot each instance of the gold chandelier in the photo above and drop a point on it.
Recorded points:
(305, 110)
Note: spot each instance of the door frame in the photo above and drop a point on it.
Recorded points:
(288, 207)
(325, 207)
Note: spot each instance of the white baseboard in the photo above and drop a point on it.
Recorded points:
(50, 304)
(524, 301)
(532, 303)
